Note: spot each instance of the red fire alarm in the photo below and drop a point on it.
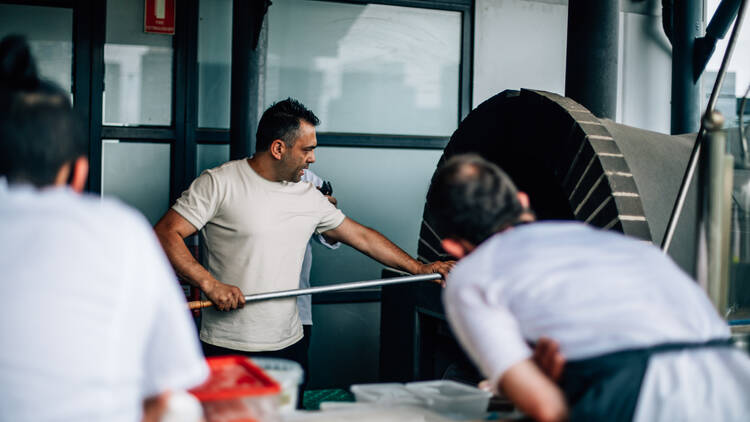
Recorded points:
(159, 16)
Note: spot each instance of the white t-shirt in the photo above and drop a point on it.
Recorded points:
(93, 320)
(255, 232)
(304, 302)
(594, 292)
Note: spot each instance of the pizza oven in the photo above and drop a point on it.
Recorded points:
(573, 165)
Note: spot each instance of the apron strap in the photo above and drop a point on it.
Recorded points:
(607, 387)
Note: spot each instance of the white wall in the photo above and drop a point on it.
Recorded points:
(522, 44)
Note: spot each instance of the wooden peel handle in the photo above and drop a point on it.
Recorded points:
(199, 304)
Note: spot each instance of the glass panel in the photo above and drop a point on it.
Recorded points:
(737, 79)
(736, 83)
(50, 34)
(137, 69)
(214, 63)
(138, 174)
(739, 279)
(210, 156)
(401, 177)
(366, 68)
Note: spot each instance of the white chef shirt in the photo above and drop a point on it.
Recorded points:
(593, 291)
(93, 320)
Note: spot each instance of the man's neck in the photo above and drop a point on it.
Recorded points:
(263, 164)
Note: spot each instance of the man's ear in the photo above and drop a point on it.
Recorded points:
(456, 247)
(73, 173)
(523, 198)
(80, 174)
(278, 148)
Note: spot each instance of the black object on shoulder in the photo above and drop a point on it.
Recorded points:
(326, 188)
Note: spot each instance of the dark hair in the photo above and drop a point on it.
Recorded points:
(281, 121)
(470, 198)
(39, 132)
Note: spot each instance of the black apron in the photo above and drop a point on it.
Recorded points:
(606, 388)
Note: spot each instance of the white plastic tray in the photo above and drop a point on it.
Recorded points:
(444, 397)
(451, 398)
(386, 393)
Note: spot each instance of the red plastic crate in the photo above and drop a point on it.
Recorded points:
(237, 390)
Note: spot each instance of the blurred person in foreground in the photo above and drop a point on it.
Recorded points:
(93, 322)
(628, 335)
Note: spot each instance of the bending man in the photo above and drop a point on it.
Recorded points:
(642, 340)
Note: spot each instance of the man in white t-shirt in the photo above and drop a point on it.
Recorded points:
(93, 323)
(256, 220)
(641, 339)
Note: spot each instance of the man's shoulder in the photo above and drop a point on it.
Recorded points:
(117, 214)
(219, 177)
(500, 252)
(66, 204)
(226, 169)
(473, 267)
(86, 222)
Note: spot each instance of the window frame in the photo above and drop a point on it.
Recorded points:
(183, 133)
(367, 140)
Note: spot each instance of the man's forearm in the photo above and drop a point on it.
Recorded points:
(533, 393)
(378, 247)
(183, 262)
(171, 230)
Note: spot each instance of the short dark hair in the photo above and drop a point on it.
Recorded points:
(470, 198)
(39, 131)
(281, 121)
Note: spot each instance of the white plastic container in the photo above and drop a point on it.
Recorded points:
(288, 374)
(451, 398)
(237, 390)
(386, 393)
